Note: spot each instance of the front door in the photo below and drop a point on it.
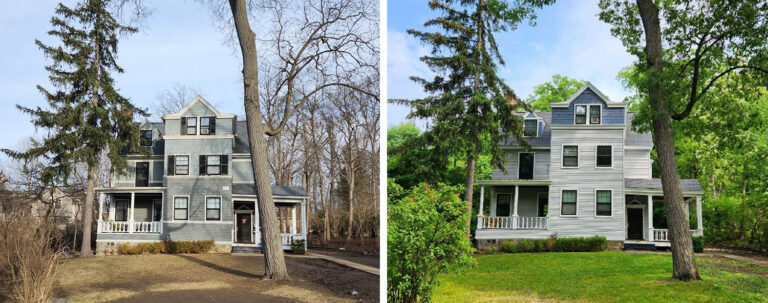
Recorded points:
(243, 228)
(635, 220)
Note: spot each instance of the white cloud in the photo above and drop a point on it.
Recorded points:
(403, 52)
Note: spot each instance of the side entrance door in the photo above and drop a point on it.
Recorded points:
(635, 220)
(243, 228)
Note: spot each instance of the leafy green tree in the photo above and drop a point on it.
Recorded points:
(680, 59)
(425, 236)
(87, 115)
(559, 89)
(469, 106)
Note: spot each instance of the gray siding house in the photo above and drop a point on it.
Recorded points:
(196, 185)
(587, 174)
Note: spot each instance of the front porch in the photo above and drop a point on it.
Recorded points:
(646, 218)
(130, 211)
(514, 205)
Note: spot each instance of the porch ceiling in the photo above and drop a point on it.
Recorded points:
(502, 182)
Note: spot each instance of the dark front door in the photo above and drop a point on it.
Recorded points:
(142, 174)
(635, 219)
(243, 228)
(526, 166)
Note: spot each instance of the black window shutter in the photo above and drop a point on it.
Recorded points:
(212, 123)
(224, 165)
(202, 165)
(183, 126)
(171, 165)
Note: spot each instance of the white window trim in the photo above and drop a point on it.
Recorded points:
(589, 113)
(197, 125)
(189, 202)
(189, 165)
(221, 204)
(595, 200)
(537, 127)
(511, 204)
(206, 166)
(562, 156)
(586, 122)
(561, 202)
(612, 156)
(533, 172)
(127, 210)
(538, 200)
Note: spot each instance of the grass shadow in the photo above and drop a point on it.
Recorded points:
(220, 268)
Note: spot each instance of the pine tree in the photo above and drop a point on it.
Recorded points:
(87, 116)
(470, 108)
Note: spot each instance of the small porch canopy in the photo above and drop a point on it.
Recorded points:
(514, 221)
(651, 188)
(288, 199)
(120, 215)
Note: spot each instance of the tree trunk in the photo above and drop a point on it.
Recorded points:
(683, 261)
(326, 219)
(351, 197)
(470, 184)
(85, 247)
(273, 248)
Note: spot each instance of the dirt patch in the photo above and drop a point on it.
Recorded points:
(210, 278)
(352, 256)
(367, 245)
(728, 264)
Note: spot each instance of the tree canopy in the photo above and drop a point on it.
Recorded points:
(559, 89)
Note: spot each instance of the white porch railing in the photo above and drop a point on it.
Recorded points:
(512, 222)
(130, 227)
(289, 238)
(662, 235)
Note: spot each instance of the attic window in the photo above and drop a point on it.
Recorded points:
(581, 114)
(207, 125)
(531, 128)
(594, 114)
(189, 125)
(145, 137)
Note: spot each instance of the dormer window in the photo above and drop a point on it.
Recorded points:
(189, 125)
(531, 128)
(145, 137)
(581, 114)
(207, 125)
(594, 114)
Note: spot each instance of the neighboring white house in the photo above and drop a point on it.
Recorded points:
(587, 174)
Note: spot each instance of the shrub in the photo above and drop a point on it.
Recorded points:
(698, 244)
(297, 247)
(427, 235)
(581, 244)
(171, 247)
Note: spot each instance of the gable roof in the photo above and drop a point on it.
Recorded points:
(189, 105)
(588, 85)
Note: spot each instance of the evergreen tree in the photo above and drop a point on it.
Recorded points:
(87, 116)
(470, 108)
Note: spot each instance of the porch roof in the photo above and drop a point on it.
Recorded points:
(506, 182)
(154, 189)
(277, 190)
(688, 186)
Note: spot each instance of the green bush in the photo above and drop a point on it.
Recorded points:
(426, 235)
(552, 244)
(297, 247)
(698, 244)
(171, 247)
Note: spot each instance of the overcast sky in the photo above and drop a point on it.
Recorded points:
(568, 39)
(179, 44)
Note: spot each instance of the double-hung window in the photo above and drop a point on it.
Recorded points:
(145, 138)
(568, 203)
(530, 128)
(570, 156)
(603, 203)
(180, 208)
(181, 165)
(502, 205)
(581, 114)
(189, 125)
(121, 210)
(207, 125)
(594, 114)
(212, 208)
(604, 157)
(213, 165)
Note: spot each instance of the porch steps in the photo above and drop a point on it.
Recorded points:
(639, 246)
(246, 249)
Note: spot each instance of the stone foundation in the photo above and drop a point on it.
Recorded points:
(615, 245)
(492, 245)
(221, 248)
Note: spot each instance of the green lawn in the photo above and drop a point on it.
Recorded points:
(600, 277)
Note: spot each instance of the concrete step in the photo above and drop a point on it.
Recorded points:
(246, 249)
(639, 246)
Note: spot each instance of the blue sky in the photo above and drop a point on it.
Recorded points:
(179, 44)
(568, 39)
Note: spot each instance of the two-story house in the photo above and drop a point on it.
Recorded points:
(196, 185)
(587, 174)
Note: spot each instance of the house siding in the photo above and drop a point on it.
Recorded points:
(541, 163)
(242, 171)
(610, 115)
(637, 164)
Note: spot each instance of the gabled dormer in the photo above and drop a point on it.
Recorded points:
(533, 125)
(588, 106)
(199, 118)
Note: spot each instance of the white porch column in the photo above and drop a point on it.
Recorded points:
(480, 210)
(514, 214)
(101, 210)
(130, 220)
(304, 221)
(112, 208)
(293, 219)
(162, 211)
(650, 218)
(699, 221)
